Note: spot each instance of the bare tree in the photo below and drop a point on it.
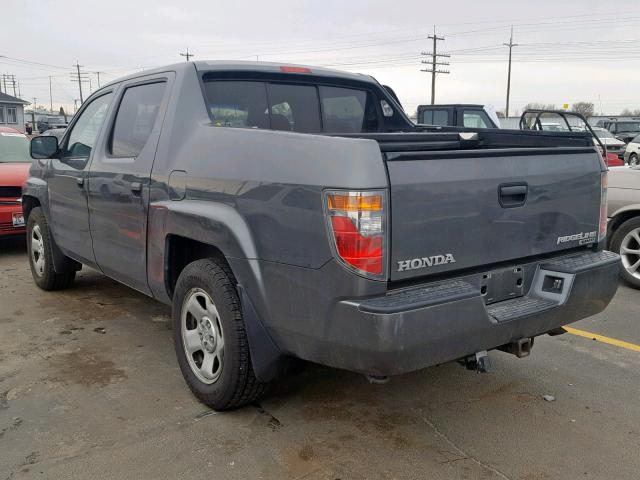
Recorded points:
(540, 106)
(630, 113)
(585, 108)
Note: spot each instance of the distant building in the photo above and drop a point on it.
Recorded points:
(12, 112)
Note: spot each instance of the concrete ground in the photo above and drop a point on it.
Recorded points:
(90, 388)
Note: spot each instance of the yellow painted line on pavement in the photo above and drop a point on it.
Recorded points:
(603, 339)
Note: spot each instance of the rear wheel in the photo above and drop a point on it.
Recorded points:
(40, 250)
(633, 159)
(626, 242)
(210, 337)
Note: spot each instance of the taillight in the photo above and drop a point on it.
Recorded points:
(357, 227)
(602, 229)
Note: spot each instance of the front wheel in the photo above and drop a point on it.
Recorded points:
(633, 159)
(210, 337)
(626, 242)
(40, 250)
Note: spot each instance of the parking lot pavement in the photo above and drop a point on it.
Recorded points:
(89, 388)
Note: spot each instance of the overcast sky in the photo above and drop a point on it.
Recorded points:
(569, 51)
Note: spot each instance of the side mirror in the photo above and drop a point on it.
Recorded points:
(43, 147)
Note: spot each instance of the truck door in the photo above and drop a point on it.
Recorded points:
(119, 180)
(67, 180)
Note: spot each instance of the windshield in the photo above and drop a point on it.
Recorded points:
(628, 127)
(14, 147)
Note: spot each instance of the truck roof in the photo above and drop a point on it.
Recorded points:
(448, 105)
(249, 66)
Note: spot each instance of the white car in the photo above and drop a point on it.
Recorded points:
(612, 144)
(632, 152)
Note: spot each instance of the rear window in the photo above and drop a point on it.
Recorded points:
(346, 110)
(290, 107)
(294, 108)
(435, 117)
(238, 104)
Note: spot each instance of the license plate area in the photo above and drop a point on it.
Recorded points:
(18, 220)
(502, 284)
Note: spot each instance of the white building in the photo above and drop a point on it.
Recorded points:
(12, 112)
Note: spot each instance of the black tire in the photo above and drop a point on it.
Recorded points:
(236, 385)
(633, 159)
(45, 277)
(618, 237)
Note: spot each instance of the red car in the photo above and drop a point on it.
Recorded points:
(14, 169)
(613, 160)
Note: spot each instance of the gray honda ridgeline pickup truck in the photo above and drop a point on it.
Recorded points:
(293, 212)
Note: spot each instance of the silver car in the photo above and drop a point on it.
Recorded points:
(624, 220)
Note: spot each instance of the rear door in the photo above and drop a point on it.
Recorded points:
(119, 181)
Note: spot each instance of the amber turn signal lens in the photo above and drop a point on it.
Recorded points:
(355, 203)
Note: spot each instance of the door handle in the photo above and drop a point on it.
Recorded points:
(512, 195)
(136, 187)
(80, 181)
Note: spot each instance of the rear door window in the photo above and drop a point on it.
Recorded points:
(294, 108)
(347, 110)
(237, 103)
(135, 119)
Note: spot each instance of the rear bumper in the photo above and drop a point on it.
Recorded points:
(434, 323)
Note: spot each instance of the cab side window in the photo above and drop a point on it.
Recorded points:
(84, 133)
(135, 119)
(476, 119)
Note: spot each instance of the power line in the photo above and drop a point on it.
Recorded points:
(435, 64)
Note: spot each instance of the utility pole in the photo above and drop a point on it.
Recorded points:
(75, 105)
(13, 83)
(510, 45)
(4, 81)
(50, 96)
(187, 54)
(33, 113)
(79, 77)
(98, 75)
(434, 63)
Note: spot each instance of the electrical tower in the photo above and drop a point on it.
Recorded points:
(79, 77)
(187, 54)
(510, 45)
(434, 64)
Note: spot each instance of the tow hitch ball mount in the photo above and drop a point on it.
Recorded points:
(481, 363)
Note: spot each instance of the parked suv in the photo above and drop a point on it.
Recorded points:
(288, 211)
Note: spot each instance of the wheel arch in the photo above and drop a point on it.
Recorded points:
(619, 217)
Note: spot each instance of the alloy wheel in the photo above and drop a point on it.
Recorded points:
(202, 336)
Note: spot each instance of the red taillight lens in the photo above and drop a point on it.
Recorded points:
(356, 222)
(602, 229)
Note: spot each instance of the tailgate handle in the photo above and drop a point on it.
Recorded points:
(512, 195)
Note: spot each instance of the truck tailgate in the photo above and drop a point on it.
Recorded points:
(452, 210)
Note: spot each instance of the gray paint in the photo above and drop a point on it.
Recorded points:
(257, 196)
